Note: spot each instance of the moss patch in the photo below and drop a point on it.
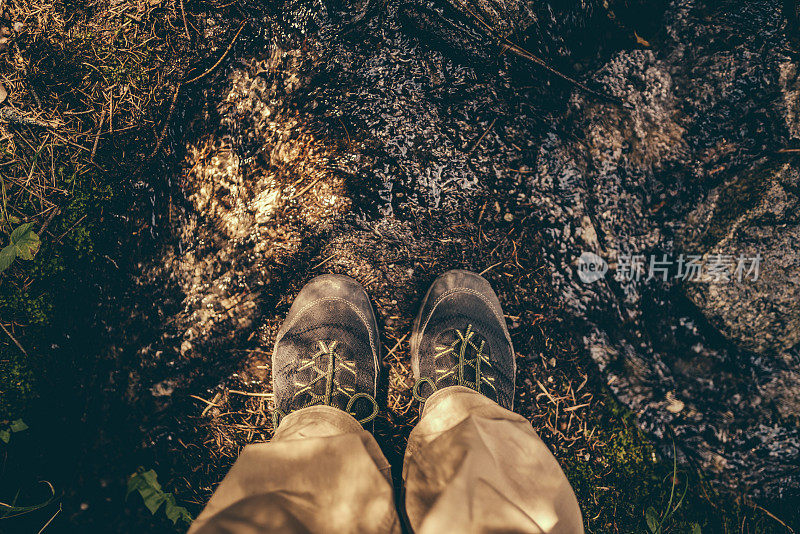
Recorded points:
(16, 381)
(35, 296)
(616, 488)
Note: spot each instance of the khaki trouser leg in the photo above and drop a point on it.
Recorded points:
(322, 472)
(473, 466)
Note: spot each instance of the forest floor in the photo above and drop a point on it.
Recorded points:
(90, 134)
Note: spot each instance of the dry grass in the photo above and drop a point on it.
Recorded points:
(554, 389)
(91, 88)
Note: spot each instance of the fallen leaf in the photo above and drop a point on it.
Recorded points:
(7, 257)
(25, 241)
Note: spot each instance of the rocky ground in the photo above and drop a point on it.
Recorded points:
(346, 145)
(694, 167)
(287, 170)
(392, 141)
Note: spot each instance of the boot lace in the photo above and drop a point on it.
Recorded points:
(464, 367)
(325, 364)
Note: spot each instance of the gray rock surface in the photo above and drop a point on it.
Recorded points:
(692, 168)
(754, 214)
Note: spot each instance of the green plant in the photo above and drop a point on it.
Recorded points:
(146, 483)
(656, 522)
(18, 425)
(24, 244)
(7, 511)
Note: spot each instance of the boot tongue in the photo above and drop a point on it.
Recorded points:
(326, 372)
(335, 370)
(465, 352)
(464, 342)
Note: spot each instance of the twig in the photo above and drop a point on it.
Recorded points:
(214, 400)
(489, 268)
(67, 141)
(323, 262)
(17, 343)
(58, 240)
(110, 259)
(53, 212)
(201, 399)
(132, 17)
(222, 57)
(578, 407)
(11, 115)
(111, 110)
(171, 112)
(544, 389)
(349, 141)
(305, 189)
(185, 25)
(209, 404)
(396, 345)
(524, 54)
(757, 507)
(25, 72)
(247, 394)
(485, 132)
(97, 136)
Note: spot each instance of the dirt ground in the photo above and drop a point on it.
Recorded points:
(113, 365)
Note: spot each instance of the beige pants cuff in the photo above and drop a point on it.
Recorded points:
(322, 472)
(470, 466)
(473, 466)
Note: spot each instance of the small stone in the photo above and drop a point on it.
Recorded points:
(163, 389)
(674, 405)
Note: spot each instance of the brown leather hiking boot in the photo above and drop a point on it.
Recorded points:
(460, 339)
(328, 350)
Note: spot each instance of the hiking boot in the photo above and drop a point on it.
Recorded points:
(460, 339)
(328, 350)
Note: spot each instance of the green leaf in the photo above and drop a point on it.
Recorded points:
(151, 478)
(25, 241)
(146, 484)
(134, 483)
(174, 512)
(5, 436)
(18, 425)
(7, 257)
(651, 516)
(152, 499)
(20, 231)
(171, 508)
(696, 529)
